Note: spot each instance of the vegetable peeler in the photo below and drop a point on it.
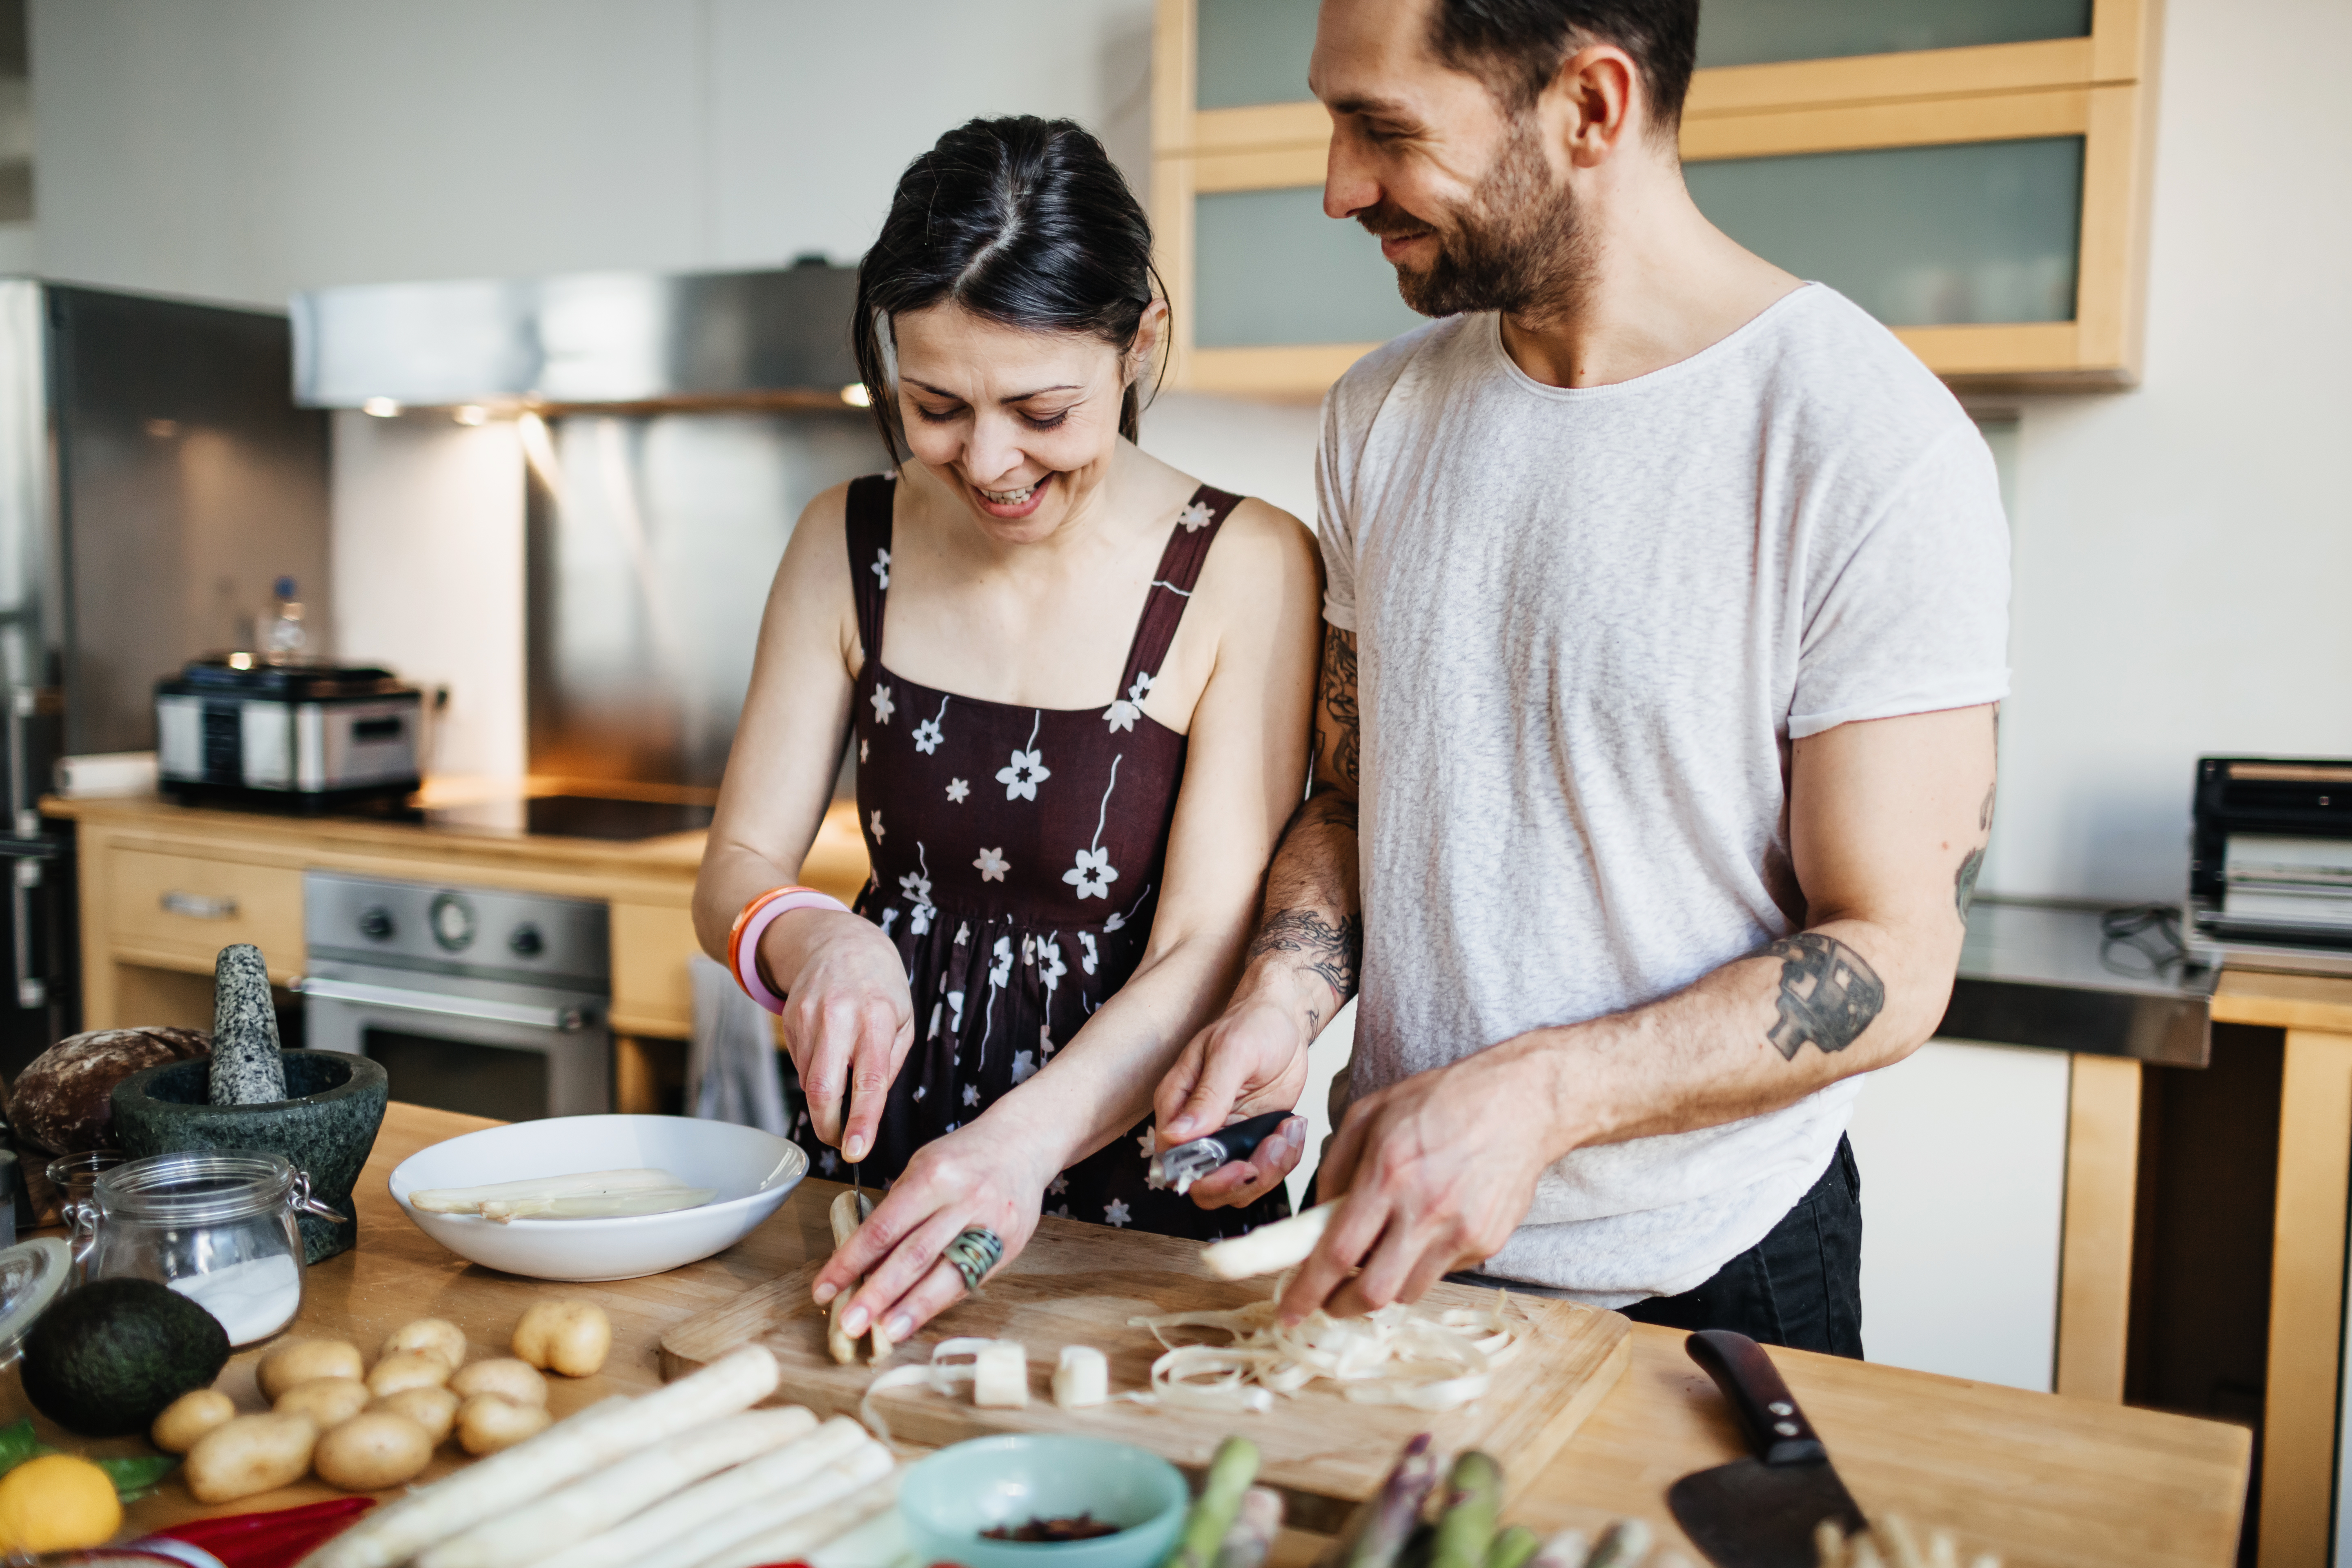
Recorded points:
(1181, 1166)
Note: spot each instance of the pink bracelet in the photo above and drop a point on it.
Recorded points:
(743, 941)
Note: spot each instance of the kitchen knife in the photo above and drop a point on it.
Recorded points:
(1760, 1512)
(1182, 1165)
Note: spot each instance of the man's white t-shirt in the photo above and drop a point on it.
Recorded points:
(1590, 622)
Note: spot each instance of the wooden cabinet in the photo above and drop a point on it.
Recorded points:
(177, 911)
(1981, 183)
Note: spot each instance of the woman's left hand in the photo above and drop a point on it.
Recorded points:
(989, 1175)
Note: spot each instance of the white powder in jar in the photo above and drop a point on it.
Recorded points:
(252, 1299)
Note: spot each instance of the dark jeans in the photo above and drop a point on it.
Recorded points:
(1800, 1287)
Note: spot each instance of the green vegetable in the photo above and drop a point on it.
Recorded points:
(17, 1444)
(1513, 1548)
(134, 1477)
(1230, 1474)
(1381, 1529)
(107, 1358)
(1473, 1497)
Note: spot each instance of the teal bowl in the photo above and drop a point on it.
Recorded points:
(947, 1499)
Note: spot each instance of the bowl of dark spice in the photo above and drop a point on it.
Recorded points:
(1043, 1500)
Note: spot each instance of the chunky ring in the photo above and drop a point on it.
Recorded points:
(974, 1254)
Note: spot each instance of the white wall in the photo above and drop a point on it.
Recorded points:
(245, 149)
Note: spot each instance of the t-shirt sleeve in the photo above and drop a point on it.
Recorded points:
(1914, 618)
(1335, 529)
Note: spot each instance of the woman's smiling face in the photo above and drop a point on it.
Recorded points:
(1022, 426)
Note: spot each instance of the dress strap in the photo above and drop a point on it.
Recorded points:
(1171, 586)
(867, 529)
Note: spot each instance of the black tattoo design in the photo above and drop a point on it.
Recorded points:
(1339, 705)
(1335, 953)
(1828, 995)
(1964, 881)
(1984, 812)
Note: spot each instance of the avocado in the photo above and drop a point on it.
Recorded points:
(106, 1358)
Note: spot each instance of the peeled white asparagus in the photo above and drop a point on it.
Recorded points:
(564, 1452)
(793, 1541)
(768, 1475)
(583, 1184)
(714, 1534)
(844, 1215)
(599, 1206)
(608, 1496)
(1270, 1248)
(1000, 1375)
(1081, 1377)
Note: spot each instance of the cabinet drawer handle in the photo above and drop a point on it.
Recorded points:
(199, 906)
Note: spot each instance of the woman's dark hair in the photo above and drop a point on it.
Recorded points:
(1020, 220)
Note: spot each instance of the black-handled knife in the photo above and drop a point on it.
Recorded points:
(1760, 1512)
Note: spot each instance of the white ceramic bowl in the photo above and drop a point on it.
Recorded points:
(753, 1172)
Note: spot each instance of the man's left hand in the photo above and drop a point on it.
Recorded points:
(1438, 1171)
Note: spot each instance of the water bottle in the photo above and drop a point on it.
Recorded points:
(282, 638)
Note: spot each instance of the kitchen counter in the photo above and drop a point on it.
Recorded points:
(2040, 1478)
(2044, 974)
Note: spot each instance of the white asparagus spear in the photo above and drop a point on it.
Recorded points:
(715, 1534)
(599, 1206)
(1270, 1248)
(608, 1496)
(770, 1474)
(581, 1183)
(811, 1531)
(844, 1218)
(564, 1452)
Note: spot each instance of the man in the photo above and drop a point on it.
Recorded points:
(1667, 610)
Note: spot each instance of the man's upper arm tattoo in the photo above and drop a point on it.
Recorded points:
(1335, 953)
(1829, 995)
(1338, 703)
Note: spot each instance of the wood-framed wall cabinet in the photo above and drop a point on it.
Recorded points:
(1987, 201)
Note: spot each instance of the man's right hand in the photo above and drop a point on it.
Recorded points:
(849, 1019)
(1251, 1061)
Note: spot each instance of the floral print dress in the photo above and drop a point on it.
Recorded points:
(1017, 858)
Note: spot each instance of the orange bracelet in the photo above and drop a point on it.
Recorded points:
(743, 937)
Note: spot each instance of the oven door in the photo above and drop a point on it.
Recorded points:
(458, 1042)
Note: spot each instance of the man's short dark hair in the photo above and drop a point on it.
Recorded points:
(1516, 46)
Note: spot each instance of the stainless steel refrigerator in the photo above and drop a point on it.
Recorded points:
(156, 478)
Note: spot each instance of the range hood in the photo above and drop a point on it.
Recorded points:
(622, 341)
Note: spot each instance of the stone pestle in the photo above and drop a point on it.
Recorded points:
(246, 1067)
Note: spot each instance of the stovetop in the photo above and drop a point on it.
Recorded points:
(561, 816)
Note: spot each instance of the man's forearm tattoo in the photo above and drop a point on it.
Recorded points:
(1335, 953)
(1338, 705)
(1964, 881)
(1828, 995)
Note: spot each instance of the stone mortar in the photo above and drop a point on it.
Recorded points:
(326, 1130)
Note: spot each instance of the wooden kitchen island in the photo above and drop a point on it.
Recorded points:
(2042, 1479)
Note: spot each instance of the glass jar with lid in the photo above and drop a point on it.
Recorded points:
(217, 1227)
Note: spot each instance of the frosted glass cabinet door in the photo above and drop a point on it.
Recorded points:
(1269, 269)
(1920, 237)
(1753, 32)
(1254, 51)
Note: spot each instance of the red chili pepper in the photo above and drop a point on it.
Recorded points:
(279, 1539)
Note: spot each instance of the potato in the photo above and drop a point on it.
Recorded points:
(189, 1418)
(371, 1451)
(408, 1369)
(569, 1337)
(486, 1422)
(300, 1360)
(327, 1401)
(250, 1453)
(433, 1409)
(510, 1380)
(438, 1335)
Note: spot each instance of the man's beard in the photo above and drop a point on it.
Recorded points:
(1515, 245)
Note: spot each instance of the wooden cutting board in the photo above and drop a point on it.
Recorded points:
(1079, 1284)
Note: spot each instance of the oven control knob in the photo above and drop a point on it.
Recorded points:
(452, 919)
(375, 922)
(526, 942)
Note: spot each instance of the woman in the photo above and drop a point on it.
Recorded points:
(1079, 682)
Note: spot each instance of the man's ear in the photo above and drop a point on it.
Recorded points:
(1592, 106)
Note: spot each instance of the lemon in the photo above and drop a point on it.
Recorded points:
(56, 1503)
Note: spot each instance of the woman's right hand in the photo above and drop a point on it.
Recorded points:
(849, 1019)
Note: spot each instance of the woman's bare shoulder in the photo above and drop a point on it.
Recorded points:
(1263, 560)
